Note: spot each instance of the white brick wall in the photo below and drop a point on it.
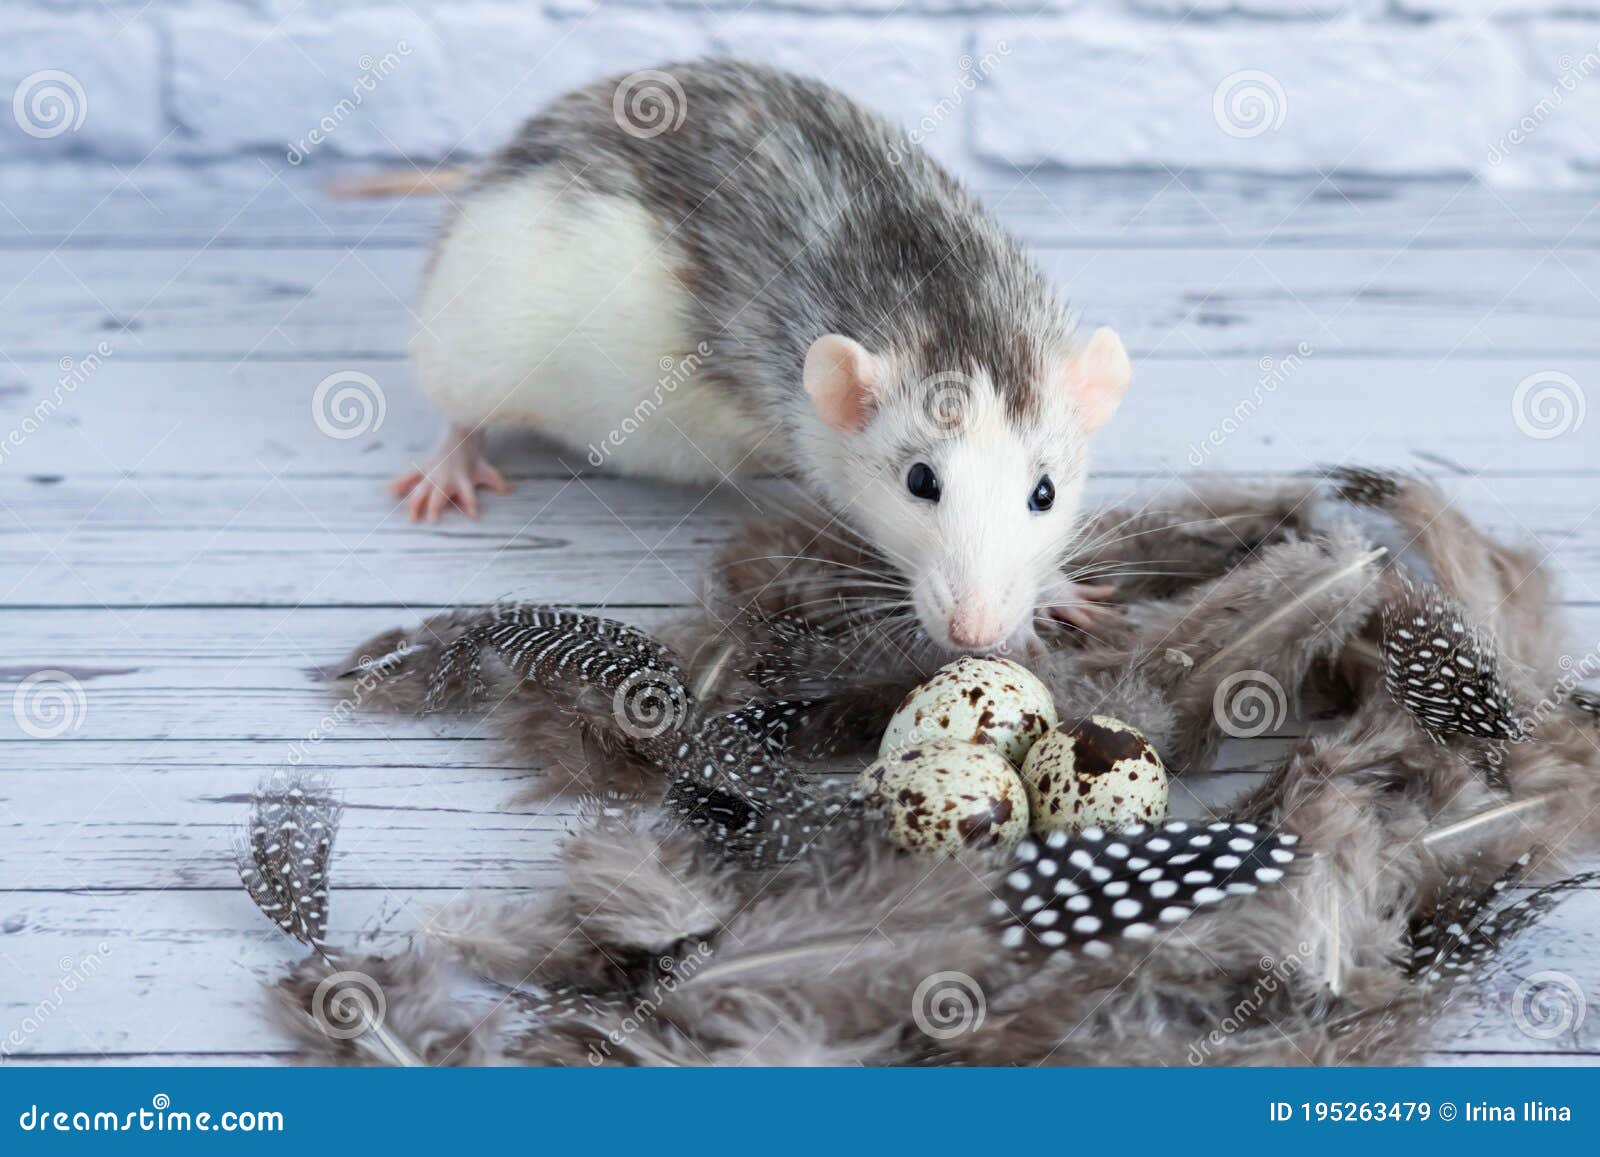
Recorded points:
(1509, 89)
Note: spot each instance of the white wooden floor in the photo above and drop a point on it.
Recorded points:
(179, 538)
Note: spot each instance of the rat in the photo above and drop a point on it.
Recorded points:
(718, 269)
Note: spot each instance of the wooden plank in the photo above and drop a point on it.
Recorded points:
(256, 420)
(419, 813)
(165, 1060)
(230, 674)
(172, 971)
(181, 972)
(155, 541)
(605, 541)
(1171, 302)
(259, 204)
(250, 204)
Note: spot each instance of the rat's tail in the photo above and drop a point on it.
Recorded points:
(397, 183)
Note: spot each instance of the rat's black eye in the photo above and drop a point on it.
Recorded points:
(1043, 496)
(923, 482)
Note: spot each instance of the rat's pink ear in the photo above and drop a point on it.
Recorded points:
(1096, 377)
(842, 377)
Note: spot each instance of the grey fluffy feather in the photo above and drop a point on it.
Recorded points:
(1246, 642)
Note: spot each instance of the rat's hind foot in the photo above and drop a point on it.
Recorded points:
(1084, 606)
(452, 478)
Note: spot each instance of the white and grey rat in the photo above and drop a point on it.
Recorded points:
(715, 269)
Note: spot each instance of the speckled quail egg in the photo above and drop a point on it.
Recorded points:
(978, 700)
(1100, 772)
(947, 794)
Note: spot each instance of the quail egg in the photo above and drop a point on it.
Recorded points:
(977, 700)
(1100, 772)
(946, 794)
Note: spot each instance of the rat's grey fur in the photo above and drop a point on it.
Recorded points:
(800, 214)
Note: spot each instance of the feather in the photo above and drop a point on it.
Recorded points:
(1092, 890)
(1361, 486)
(794, 934)
(633, 891)
(1174, 542)
(1445, 838)
(284, 863)
(357, 1011)
(1444, 672)
(284, 859)
(1234, 654)
(1274, 622)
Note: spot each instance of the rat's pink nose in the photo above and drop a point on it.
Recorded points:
(973, 628)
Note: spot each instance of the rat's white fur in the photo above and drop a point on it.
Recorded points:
(557, 308)
(978, 561)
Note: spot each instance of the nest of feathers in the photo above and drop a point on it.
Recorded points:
(730, 899)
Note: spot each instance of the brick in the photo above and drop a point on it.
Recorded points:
(506, 65)
(497, 60)
(88, 72)
(371, 82)
(605, 44)
(1415, 100)
(910, 72)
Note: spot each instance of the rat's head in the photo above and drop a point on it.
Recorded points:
(968, 485)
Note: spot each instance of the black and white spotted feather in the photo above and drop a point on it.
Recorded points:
(1443, 671)
(1586, 701)
(723, 772)
(1362, 486)
(1094, 890)
(283, 860)
(731, 784)
(1464, 934)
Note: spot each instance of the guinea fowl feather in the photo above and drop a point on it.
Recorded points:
(284, 864)
(1444, 672)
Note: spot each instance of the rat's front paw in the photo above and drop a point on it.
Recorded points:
(1085, 606)
(451, 479)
